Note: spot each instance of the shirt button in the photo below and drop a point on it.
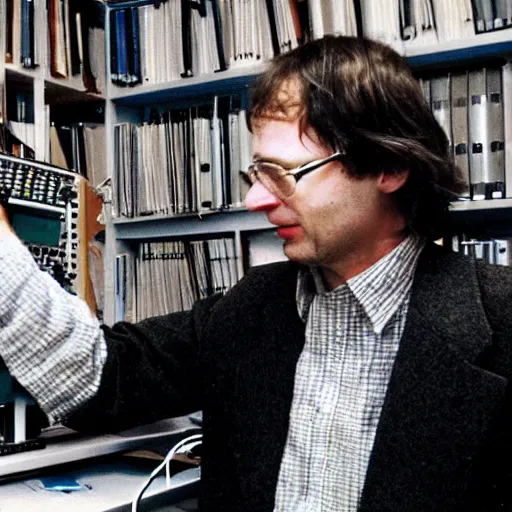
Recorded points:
(322, 409)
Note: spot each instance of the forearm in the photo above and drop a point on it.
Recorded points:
(154, 370)
(49, 340)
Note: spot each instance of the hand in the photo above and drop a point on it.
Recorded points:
(5, 227)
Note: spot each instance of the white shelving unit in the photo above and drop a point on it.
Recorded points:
(127, 104)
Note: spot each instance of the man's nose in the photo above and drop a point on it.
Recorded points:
(259, 198)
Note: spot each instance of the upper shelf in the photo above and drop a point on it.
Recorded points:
(499, 205)
(62, 91)
(191, 224)
(489, 45)
(123, 4)
(57, 90)
(467, 213)
(157, 226)
(493, 216)
(226, 81)
(494, 45)
(19, 74)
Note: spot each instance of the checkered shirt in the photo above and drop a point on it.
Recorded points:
(352, 337)
(49, 339)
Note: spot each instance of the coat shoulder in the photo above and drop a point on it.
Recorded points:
(495, 283)
(263, 282)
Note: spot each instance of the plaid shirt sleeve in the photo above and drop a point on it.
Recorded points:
(49, 339)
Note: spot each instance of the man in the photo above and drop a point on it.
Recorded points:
(369, 373)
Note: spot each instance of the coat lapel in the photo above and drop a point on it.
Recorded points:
(439, 402)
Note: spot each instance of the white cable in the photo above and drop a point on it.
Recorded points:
(167, 466)
(168, 457)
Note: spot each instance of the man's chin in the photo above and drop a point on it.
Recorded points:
(294, 253)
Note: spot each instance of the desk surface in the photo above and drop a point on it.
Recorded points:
(61, 451)
(107, 486)
(109, 479)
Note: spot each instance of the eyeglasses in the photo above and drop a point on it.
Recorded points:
(280, 181)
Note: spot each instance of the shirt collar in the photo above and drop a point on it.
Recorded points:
(380, 289)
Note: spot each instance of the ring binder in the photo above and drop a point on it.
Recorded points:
(486, 138)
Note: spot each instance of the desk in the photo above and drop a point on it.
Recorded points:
(108, 487)
(109, 479)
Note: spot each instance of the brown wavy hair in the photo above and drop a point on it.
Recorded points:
(361, 97)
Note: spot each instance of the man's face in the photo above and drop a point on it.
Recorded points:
(332, 220)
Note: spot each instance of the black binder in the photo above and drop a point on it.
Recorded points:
(273, 26)
(186, 38)
(218, 35)
(76, 61)
(27, 33)
(133, 48)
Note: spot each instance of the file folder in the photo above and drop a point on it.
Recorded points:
(425, 87)
(216, 145)
(273, 26)
(186, 37)
(121, 46)
(477, 133)
(484, 15)
(407, 27)
(503, 252)
(75, 49)
(315, 16)
(440, 101)
(495, 130)
(133, 48)
(27, 34)
(486, 131)
(221, 54)
(114, 67)
(502, 13)
(459, 101)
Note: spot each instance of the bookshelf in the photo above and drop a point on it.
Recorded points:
(488, 45)
(132, 104)
(47, 90)
(41, 96)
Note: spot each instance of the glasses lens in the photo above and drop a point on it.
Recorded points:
(275, 179)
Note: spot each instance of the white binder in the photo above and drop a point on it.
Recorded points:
(495, 173)
(216, 145)
(487, 161)
(479, 158)
(203, 162)
(440, 101)
(484, 15)
(503, 252)
(425, 87)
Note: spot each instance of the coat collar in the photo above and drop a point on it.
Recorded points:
(438, 402)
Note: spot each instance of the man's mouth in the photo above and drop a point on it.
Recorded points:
(289, 232)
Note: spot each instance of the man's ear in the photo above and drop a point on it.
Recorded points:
(391, 181)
